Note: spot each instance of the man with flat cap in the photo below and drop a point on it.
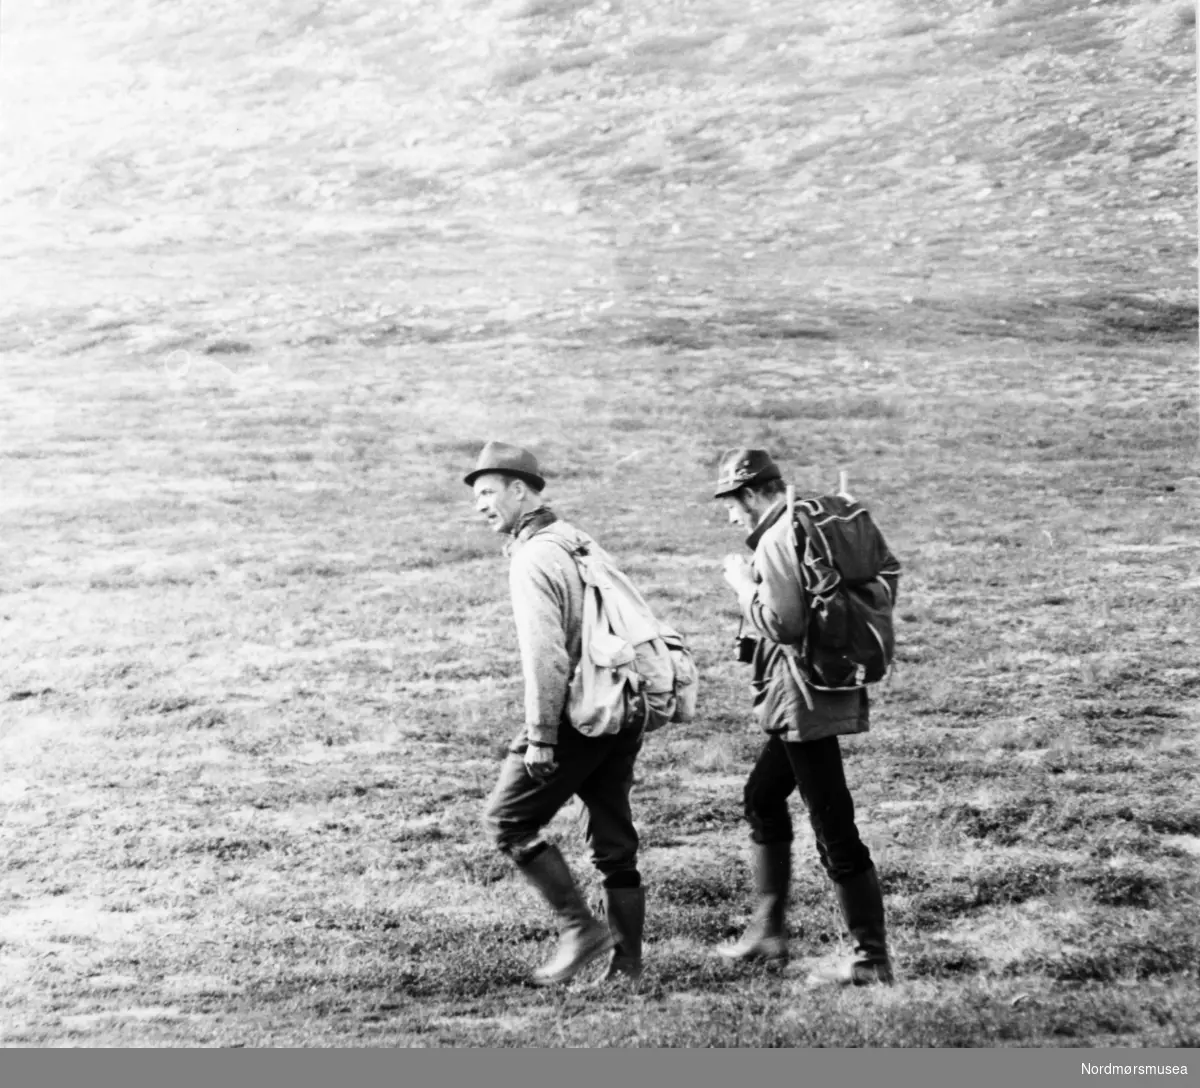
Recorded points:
(549, 761)
(801, 753)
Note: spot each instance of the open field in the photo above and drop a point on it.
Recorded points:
(274, 274)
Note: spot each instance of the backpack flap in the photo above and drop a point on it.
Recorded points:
(596, 696)
(608, 651)
(630, 665)
(627, 610)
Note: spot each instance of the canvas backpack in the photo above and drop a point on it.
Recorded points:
(833, 596)
(633, 669)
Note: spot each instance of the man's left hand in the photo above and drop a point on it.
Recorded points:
(540, 762)
(738, 571)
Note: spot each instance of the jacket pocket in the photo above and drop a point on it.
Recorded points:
(774, 701)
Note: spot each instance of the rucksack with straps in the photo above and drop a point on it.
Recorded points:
(833, 595)
(633, 669)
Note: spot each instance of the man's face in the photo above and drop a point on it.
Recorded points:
(498, 499)
(739, 513)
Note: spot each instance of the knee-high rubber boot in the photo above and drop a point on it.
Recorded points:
(766, 937)
(861, 900)
(582, 937)
(625, 909)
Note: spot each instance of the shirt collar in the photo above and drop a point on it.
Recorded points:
(773, 514)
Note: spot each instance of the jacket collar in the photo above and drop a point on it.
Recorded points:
(769, 518)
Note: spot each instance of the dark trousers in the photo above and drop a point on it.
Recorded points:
(815, 768)
(599, 771)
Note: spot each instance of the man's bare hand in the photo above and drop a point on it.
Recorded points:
(738, 572)
(540, 762)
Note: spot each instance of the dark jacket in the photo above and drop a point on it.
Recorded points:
(779, 704)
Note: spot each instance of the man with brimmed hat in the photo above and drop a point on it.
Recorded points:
(802, 751)
(549, 761)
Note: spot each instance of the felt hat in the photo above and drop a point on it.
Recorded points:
(509, 460)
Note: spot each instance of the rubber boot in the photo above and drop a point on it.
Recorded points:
(861, 900)
(625, 909)
(582, 937)
(766, 938)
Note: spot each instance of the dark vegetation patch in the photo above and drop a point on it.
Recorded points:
(943, 962)
(707, 926)
(458, 962)
(28, 693)
(1006, 824)
(1107, 319)
(1126, 726)
(231, 848)
(1122, 888)
(1162, 953)
(716, 887)
(937, 904)
(847, 406)
(362, 789)
(683, 817)
(729, 329)
(486, 866)
(416, 835)
(227, 347)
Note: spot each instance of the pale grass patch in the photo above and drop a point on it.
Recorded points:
(215, 755)
(317, 753)
(1021, 735)
(197, 985)
(147, 1013)
(987, 796)
(108, 981)
(15, 969)
(885, 848)
(298, 818)
(27, 735)
(1095, 670)
(54, 918)
(508, 1023)
(12, 789)
(1014, 933)
(713, 756)
(1190, 844)
(1175, 744)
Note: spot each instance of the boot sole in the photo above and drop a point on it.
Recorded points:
(758, 961)
(848, 978)
(735, 955)
(618, 976)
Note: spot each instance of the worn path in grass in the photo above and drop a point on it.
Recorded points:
(274, 279)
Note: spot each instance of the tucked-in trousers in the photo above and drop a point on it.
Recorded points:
(597, 770)
(815, 768)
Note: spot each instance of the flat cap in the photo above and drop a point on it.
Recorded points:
(509, 460)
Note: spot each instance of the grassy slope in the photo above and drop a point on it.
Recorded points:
(276, 277)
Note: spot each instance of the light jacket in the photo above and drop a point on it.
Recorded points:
(779, 704)
(547, 602)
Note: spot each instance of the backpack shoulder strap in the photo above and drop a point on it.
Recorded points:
(574, 542)
(816, 556)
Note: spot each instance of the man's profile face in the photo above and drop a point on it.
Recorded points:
(498, 498)
(739, 513)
